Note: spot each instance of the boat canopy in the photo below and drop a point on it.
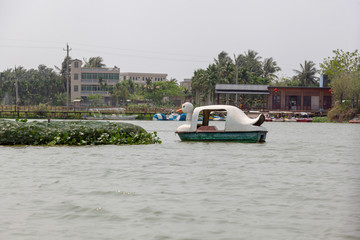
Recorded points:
(242, 89)
(235, 118)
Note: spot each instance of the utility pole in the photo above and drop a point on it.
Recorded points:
(16, 90)
(236, 77)
(67, 75)
(16, 93)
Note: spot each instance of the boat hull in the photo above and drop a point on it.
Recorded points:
(304, 119)
(246, 137)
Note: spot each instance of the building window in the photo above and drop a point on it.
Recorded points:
(76, 88)
(307, 103)
(76, 64)
(76, 76)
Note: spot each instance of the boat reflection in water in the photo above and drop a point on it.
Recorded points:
(101, 114)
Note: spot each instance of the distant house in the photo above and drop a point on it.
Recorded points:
(142, 78)
(299, 98)
(186, 83)
(85, 81)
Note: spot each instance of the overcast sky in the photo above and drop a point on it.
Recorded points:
(175, 36)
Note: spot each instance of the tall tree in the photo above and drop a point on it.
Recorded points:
(94, 62)
(343, 71)
(252, 62)
(270, 67)
(307, 74)
(340, 63)
(35, 86)
(65, 66)
(224, 66)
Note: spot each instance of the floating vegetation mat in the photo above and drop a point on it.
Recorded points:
(73, 133)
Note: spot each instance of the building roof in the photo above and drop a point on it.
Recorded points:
(299, 87)
(142, 73)
(242, 88)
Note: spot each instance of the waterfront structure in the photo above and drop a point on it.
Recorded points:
(86, 81)
(142, 78)
(314, 99)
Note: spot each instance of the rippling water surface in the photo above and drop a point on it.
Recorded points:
(303, 183)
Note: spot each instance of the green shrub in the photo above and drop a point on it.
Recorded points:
(73, 133)
(341, 112)
(320, 119)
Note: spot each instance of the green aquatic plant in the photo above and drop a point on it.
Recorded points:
(73, 133)
(321, 119)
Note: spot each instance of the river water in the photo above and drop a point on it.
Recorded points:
(303, 183)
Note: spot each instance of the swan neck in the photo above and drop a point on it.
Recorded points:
(188, 116)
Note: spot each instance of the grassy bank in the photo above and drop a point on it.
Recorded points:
(321, 119)
(73, 133)
(342, 112)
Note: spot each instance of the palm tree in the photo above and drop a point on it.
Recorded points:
(252, 62)
(94, 62)
(121, 91)
(65, 66)
(270, 67)
(306, 75)
(224, 66)
(223, 58)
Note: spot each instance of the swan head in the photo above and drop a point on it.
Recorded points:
(186, 108)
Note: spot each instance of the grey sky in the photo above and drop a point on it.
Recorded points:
(175, 36)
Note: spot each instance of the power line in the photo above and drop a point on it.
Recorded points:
(141, 56)
(13, 46)
(98, 46)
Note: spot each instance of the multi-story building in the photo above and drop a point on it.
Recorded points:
(86, 81)
(141, 78)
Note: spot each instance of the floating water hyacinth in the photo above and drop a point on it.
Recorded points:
(73, 133)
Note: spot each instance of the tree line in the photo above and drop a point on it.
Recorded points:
(45, 86)
(343, 70)
(246, 68)
(35, 86)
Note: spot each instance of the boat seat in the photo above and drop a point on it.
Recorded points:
(206, 129)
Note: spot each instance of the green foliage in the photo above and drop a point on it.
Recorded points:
(270, 67)
(320, 119)
(157, 91)
(286, 82)
(96, 99)
(94, 62)
(340, 63)
(342, 112)
(73, 133)
(306, 76)
(246, 68)
(343, 70)
(123, 90)
(35, 86)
